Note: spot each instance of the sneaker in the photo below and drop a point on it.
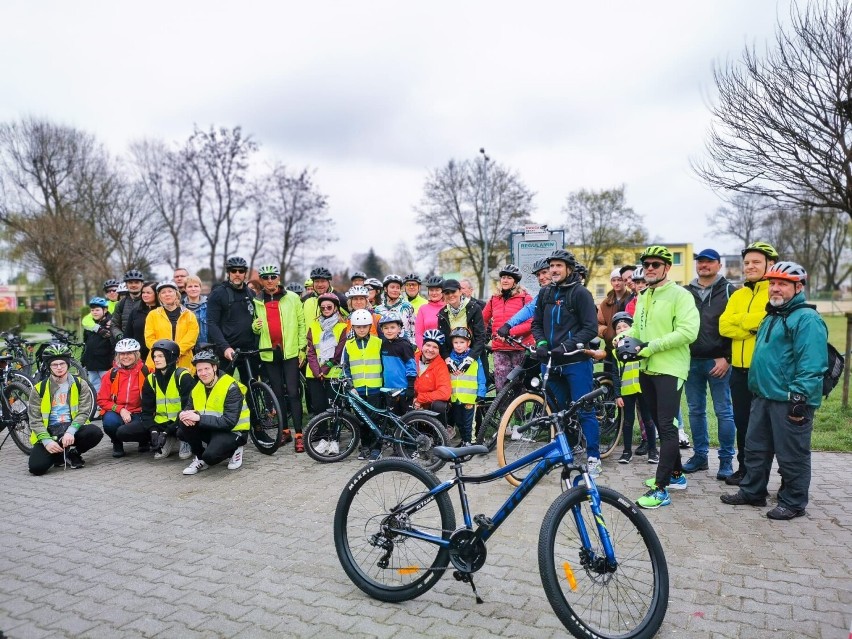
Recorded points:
(363, 454)
(333, 448)
(642, 449)
(167, 448)
(735, 478)
(322, 447)
(286, 437)
(675, 483)
(726, 469)
(516, 436)
(464, 444)
(653, 457)
(625, 458)
(781, 513)
(654, 498)
(75, 460)
(375, 455)
(696, 463)
(738, 499)
(118, 450)
(236, 459)
(299, 445)
(185, 451)
(683, 439)
(195, 467)
(594, 467)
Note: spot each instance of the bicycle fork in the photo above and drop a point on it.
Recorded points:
(589, 559)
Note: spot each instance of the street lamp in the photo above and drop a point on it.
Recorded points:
(485, 224)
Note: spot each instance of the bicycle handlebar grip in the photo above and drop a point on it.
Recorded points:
(534, 422)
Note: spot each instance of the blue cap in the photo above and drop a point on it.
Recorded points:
(708, 254)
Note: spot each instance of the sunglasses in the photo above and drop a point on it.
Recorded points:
(236, 270)
(653, 265)
(327, 307)
(112, 290)
(269, 277)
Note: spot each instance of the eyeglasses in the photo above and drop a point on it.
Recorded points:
(653, 265)
(112, 290)
(236, 270)
(269, 277)
(59, 364)
(327, 307)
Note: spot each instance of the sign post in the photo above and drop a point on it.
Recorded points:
(535, 242)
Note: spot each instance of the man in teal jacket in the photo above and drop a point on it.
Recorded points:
(790, 358)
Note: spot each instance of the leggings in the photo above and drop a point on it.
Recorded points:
(663, 395)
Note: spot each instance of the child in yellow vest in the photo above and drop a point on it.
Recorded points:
(467, 380)
(630, 396)
(362, 363)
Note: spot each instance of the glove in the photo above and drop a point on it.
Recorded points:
(503, 331)
(466, 363)
(542, 352)
(645, 352)
(409, 393)
(257, 324)
(451, 365)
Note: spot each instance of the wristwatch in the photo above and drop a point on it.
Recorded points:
(797, 398)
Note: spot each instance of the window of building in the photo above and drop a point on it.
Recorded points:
(599, 261)
(600, 291)
(616, 259)
(678, 257)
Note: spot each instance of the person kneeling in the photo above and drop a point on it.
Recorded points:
(216, 415)
(432, 388)
(164, 394)
(120, 399)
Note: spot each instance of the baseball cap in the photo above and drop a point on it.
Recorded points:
(707, 254)
(451, 285)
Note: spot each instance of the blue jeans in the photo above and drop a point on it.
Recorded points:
(696, 398)
(574, 381)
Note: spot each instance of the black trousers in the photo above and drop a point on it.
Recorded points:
(631, 403)
(220, 445)
(741, 398)
(284, 374)
(320, 394)
(85, 439)
(662, 393)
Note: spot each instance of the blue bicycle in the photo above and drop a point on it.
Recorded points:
(602, 566)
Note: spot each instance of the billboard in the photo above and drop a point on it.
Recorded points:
(530, 245)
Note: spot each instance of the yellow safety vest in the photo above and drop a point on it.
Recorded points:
(316, 336)
(630, 378)
(465, 385)
(214, 403)
(46, 400)
(365, 364)
(168, 403)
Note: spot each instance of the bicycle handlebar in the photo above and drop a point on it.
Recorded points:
(556, 418)
(559, 350)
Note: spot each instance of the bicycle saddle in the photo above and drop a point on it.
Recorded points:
(448, 453)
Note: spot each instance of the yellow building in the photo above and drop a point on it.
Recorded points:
(682, 271)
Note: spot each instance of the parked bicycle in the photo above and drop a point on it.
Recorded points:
(267, 418)
(14, 395)
(602, 566)
(413, 436)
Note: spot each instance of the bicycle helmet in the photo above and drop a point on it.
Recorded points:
(660, 252)
(358, 275)
(295, 287)
(98, 301)
(236, 262)
(412, 277)
(167, 284)
(127, 345)
(169, 348)
(309, 282)
(433, 335)
(622, 316)
(374, 284)
(268, 269)
(111, 283)
(628, 349)
(328, 297)
(434, 281)
(390, 279)
(361, 317)
(762, 247)
(390, 316)
(639, 274)
(205, 355)
(122, 288)
(320, 273)
(789, 271)
(357, 291)
(581, 270)
(55, 351)
(462, 332)
(563, 256)
(540, 265)
(512, 271)
(134, 275)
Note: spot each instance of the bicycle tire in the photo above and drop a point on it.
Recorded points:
(18, 424)
(77, 369)
(521, 410)
(592, 601)
(487, 433)
(364, 507)
(420, 451)
(609, 417)
(343, 426)
(266, 418)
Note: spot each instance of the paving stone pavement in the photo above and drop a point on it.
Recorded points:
(132, 548)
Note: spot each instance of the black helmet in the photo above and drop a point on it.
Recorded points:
(111, 283)
(434, 281)
(563, 256)
(460, 331)
(295, 287)
(320, 273)
(581, 270)
(512, 271)
(205, 355)
(236, 262)
(169, 348)
(628, 349)
(622, 316)
(134, 275)
(358, 274)
(412, 277)
(540, 265)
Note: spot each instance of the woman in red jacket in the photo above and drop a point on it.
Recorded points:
(120, 399)
(499, 310)
(432, 388)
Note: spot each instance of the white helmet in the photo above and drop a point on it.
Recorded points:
(358, 291)
(127, 345)
(361, 317)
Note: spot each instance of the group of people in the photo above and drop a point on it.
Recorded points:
(162, 357)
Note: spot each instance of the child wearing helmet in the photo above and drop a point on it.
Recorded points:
(467, 380)
(120, 399)
(399, 369)
(97, 354)
(362, 363)
(164, 394)
(432, 388)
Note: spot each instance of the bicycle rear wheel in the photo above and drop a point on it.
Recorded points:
(512, 445)
(417, 439)
(267, 421)
(377, 557)
(486, 434)
(609, 417)
(593, 599)
(331, 426)
(17, 395)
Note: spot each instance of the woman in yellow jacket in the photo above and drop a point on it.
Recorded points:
(745, 310)
(172, 321)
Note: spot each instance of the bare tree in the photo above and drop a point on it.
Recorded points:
(782, 127)
(798, 234)
(599, 222)
(744, 218)
(835, 260)
(453, 210)
(215, 165)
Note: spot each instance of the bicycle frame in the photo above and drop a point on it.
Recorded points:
(361, 408)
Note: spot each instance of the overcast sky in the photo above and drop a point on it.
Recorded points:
(375, 95)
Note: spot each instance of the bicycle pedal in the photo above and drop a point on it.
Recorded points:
(483, 521)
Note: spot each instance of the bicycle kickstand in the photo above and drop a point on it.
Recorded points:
(466, 577)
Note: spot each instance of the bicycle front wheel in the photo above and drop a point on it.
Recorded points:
(17, 395)
(331, 426)
(591, 597)
(609, 417)
(267, 420)
(512, 445)
(369, 534)
(418, 437)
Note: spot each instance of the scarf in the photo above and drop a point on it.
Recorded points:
(455, 311)
(328, 343)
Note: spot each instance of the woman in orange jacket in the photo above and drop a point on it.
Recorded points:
(432, 389)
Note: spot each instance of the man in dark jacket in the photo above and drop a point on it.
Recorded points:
(230, 313)
(120, 326)
(710, 365)
(565, 316)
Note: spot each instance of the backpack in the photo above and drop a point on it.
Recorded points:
(834, 372)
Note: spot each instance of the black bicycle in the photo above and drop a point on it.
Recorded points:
(267, 418)
(14, 417)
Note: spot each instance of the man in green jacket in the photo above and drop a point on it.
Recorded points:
(280, 323)
(787, 368)
(665, 324)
